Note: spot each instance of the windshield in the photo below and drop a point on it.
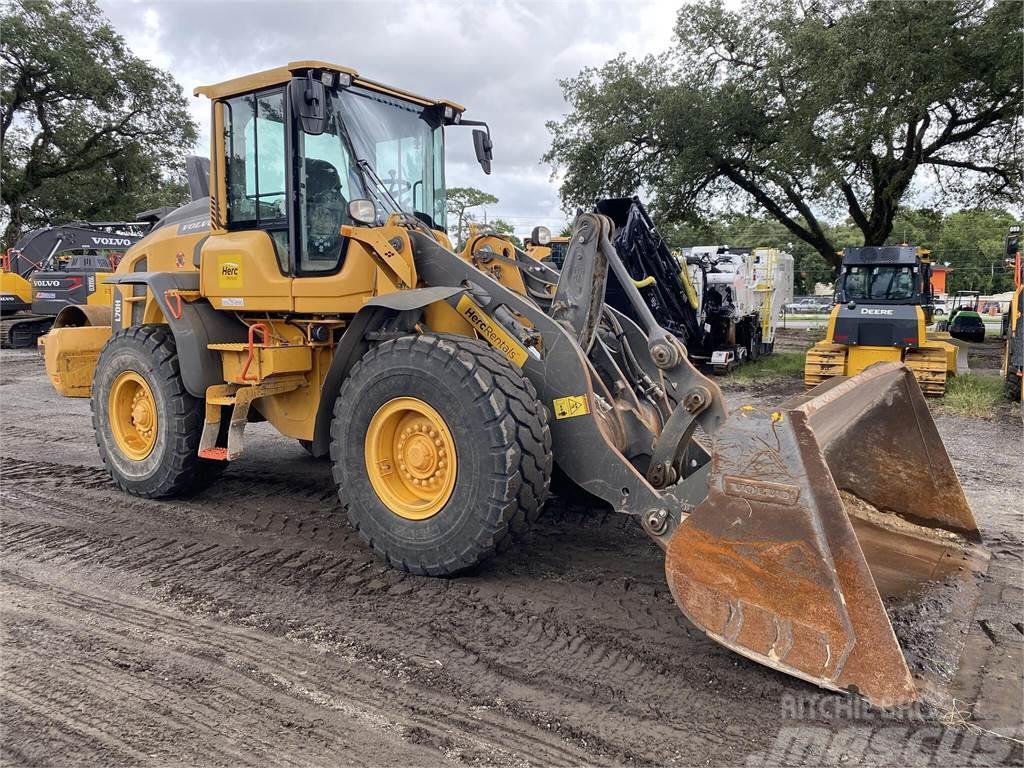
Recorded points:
(404, 144)
(879, 283)
(557, 256)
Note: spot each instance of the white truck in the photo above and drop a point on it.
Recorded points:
(742, 292)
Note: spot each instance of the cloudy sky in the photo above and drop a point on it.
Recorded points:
(502, 60)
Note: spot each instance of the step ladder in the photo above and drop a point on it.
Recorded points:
(238, 398)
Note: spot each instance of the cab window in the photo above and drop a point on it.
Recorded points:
(328, 180)
(257, 166)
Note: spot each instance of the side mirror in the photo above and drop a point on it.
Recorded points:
(540, 236)
(309, 104)
(362, 211)
(1013, 242)
(483, 146)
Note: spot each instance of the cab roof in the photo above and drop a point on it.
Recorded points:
(279, 75)
(893, 255)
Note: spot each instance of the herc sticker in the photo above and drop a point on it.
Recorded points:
(574, 405)
(229, 272)
(491, 332)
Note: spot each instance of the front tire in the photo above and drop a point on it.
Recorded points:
(147, 424)
(441, 452)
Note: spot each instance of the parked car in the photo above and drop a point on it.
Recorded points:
(809, 305)
(939, 308)
(967, 325)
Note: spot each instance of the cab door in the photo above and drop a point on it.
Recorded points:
(333, 275)
(245, 261)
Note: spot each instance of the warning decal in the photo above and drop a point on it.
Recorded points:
(574, 405)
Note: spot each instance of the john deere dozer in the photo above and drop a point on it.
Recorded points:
(884, 306)
(316, 289)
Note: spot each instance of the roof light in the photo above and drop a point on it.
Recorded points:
(449, 113)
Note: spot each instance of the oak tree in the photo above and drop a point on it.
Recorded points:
(88, 130)
(810, 110)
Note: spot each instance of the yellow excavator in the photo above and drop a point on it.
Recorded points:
(55, 267)
(317, 289)
(884, 304)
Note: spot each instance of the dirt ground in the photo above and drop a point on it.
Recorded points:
(250, 625)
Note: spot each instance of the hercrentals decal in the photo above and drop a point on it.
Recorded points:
(491, 332)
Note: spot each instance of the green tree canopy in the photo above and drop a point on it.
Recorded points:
(460, 202)
(87, 129)
(809, 111)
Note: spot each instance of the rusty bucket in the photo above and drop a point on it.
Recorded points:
(835, 543)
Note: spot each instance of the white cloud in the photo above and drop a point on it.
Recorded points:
(502, 60)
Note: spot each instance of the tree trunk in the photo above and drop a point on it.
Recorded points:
(14, 227)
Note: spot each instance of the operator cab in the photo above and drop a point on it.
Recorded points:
(292, 150)
(884, 275)
(883, 296)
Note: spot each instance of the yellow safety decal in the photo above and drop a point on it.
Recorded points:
(573, 405)
(229, 272)
(491, 332)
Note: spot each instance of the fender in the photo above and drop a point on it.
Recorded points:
(197, 326)
(373, 316)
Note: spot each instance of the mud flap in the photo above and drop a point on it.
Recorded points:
(827, 524)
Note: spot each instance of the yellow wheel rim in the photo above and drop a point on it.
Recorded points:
(132, 413)
(410, 458)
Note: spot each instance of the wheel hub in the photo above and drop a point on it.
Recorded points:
(410, 455)
(132, 414)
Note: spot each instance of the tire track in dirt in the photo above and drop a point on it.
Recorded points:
(568, 674)
(242, 660)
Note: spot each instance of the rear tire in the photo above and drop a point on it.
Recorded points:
(150, 448)
(484, 408)
(1012, 385)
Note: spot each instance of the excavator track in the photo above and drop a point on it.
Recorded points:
(21, 332)
(823, 362)
(929, 367)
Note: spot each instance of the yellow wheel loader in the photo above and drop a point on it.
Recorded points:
(317, 290)
(543, 246)
(884, 305)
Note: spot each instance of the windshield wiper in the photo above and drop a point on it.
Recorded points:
(371, 181)
(370, 171)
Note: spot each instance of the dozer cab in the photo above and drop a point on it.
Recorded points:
(316, 289)
(883, 306)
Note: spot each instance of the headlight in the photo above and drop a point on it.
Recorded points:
(540, 236)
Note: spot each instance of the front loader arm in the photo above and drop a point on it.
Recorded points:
(589, 433)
